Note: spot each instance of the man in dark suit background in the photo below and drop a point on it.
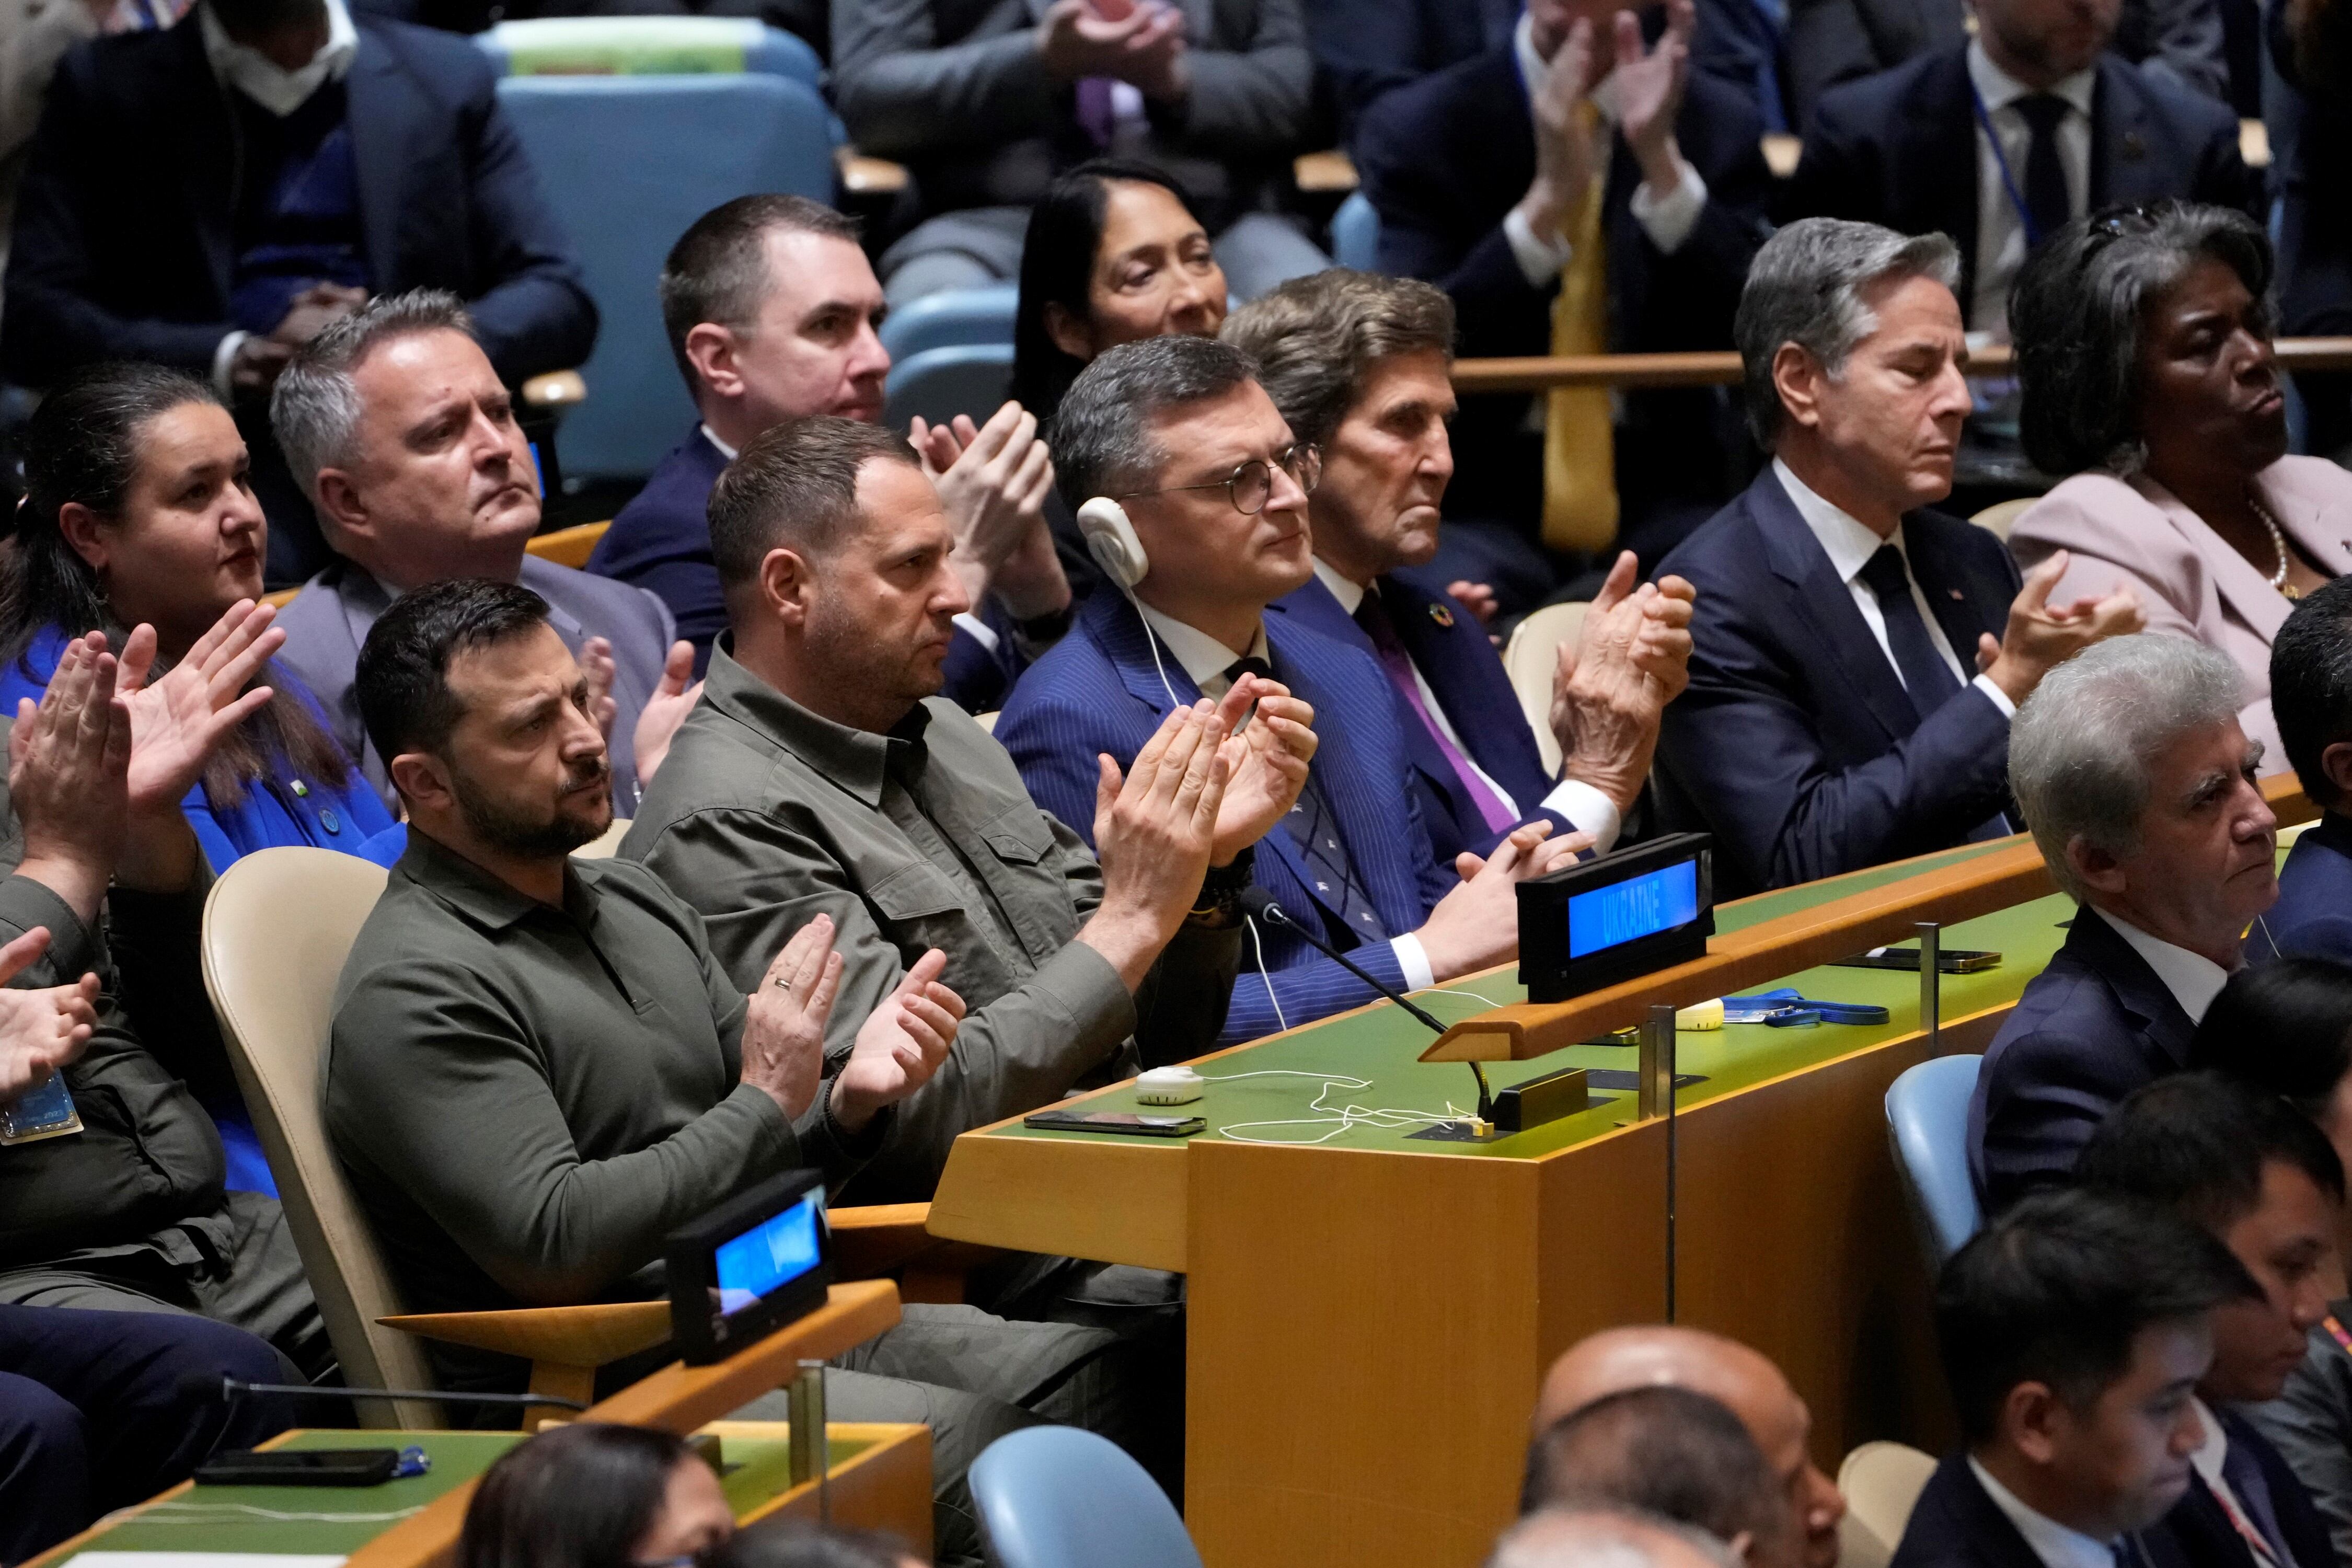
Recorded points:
(2130, 767)
(2000, 140)
(1855, 656)
(194, 201)
(1358, 364)
(2256, 1174)
(2073, 1329)
(1481, 174)
(771, 307)
(2310, 697)
(1172, 452)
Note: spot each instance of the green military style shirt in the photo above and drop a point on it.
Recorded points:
(527, 1100)
(765, 815)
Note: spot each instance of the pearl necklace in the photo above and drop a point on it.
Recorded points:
(2278, 542)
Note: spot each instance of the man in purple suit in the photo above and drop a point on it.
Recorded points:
(1358, 364)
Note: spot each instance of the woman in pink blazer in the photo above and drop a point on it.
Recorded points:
(2144, 354)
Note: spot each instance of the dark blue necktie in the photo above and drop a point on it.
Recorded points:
(2047, 205)
(1349, 919)
(1926, 676)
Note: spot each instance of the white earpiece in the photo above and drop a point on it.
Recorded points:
(1111, 541)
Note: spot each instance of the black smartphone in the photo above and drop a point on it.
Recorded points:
(1948, 959)
(299, 1468)
(1125, 1121)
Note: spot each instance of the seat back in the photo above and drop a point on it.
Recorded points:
(1927, 1123)
(604, 846)
(627, 163)
(650, 46)
(952, 316)
(940, 384)
(1881, 1483)
(277, 927)
(1530, 658)
(569, 546)
(1057, 1497)
(2001, 516)
(1356, 234)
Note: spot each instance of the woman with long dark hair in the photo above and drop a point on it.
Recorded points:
(595, 1496)
(138, 515)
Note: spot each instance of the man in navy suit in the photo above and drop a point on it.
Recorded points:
(194, 200)
(1172, 450)
(2074, 1331)
(772, 308)
(1855, 656)
(2129, 764)
(1474, 186)
(2000, 140)
(2259, 1175)
(1358, 365)
(2310, 697)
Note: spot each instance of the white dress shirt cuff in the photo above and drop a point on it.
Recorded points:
(223, 358)
(1985, 684)
(1418, 975)
(1669, 219)
(1586, 810)
(1540, 260)
(981, 632)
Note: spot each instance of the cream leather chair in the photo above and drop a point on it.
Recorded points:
(1882, 1483)
(2001, 516)
(1530, 658)
(605, 844)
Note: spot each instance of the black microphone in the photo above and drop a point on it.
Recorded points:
(231, 1388)
(1258, 903)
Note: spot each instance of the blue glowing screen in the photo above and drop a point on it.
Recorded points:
(1638, 907)
(772, 1255)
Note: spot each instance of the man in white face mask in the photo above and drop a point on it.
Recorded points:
(210, 195)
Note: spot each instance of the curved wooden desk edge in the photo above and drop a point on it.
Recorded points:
(1799, 940)
(1721, 367)
(677, 1398)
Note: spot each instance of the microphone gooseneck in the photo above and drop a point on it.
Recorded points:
(231, 1388)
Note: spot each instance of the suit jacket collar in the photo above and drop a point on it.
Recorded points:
(1981, 1530)
(2100, 948)
(1821, 599)
(2242, 586)
(1119, 631)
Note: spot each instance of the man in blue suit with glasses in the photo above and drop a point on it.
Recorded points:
(1193, 493)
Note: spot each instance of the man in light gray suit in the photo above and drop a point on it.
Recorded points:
(986, 100)
(395, 424)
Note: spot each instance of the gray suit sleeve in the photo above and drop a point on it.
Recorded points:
(434, 1080)
(1252, 98)
(2311, 1426)
(1023, 1049)
(902, 93)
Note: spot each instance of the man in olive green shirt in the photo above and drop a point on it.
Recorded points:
(819, 778)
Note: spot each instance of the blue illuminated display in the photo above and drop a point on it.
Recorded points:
(1637, 907)
(761, 1260)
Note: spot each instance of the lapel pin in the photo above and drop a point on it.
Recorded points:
(2134, 146)
(1958, 597)
(1440, 614)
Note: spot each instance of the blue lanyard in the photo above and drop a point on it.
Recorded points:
(2007, 180)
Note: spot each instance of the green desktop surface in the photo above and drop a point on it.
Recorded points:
(339, 1521)
(1316, 1070)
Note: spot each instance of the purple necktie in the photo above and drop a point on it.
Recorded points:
(1373, 616)
(1096, 115)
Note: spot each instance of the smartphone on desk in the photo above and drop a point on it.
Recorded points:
(1131, 1124)
(1948, 959)
(299, 1468)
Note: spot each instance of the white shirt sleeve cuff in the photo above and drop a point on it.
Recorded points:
(1418, 975)
(1589, 811)
(1539, 260)
(1985, 684)
(981, 632)
(223, 358)
(1668, 220)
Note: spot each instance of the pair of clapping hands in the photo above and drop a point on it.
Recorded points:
(96, 774)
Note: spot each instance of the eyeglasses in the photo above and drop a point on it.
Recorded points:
(2123, 221)
(1251, 486)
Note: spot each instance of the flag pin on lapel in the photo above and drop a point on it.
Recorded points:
(1956, 593)
(1440, 614)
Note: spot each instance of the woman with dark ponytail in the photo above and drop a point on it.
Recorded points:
(139, 523)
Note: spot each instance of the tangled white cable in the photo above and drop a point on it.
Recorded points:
(174, 1512)
(1338, 1119)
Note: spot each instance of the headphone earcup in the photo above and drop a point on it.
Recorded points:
(1111, 541)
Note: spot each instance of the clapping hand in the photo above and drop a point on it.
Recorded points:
(597, 668)
(900, 1044)
(674, 698)
(41, 1029)
(2042, 636)
(68, 762)
(1266, 761)
(1649, 86)
(1613, 681)
(785, 1019)
(177, 720)
(993, 481)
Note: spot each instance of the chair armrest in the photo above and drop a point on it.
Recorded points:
(568, 546)
(865, 176)
(1325, 173)
(570, 1336)
(891, 1239)
(556, 389)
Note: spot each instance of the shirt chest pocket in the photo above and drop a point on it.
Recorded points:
(916, 891)
(1019, 838)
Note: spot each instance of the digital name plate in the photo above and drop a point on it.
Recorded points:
(1617, 918)
(749, 1268)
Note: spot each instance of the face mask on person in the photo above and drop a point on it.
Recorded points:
(281, 91)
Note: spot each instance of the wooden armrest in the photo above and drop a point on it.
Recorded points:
(568, 546)
(892, 1238)
(570, 1336)
(280, 599)
(865, 176)
(556, 389)
(1324, 171)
